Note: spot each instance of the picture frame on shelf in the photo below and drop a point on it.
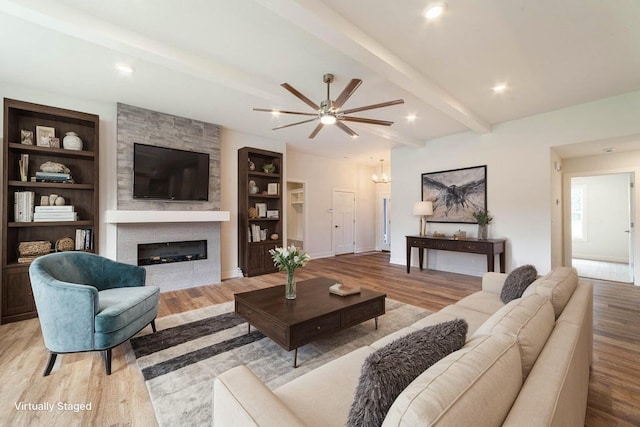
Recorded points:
(262, 210)
(44, 135)
(54, 142)
(273, 214)
(26, 137)
(273, 189)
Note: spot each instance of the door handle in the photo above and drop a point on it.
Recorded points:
(627, 231)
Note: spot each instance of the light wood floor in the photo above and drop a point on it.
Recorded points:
(122, 399)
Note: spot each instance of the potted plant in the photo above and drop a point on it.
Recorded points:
(483, 218)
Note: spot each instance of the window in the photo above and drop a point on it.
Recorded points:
(578, 209)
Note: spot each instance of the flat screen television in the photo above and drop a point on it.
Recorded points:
(169, 174)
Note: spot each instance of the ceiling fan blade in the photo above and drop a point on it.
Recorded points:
(371, 107)
(346, 128)
(368, 121)
(304, 99)
(293, 124)
(284, 112)
(347, 92)
(316, 130)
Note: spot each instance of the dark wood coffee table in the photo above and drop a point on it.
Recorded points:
(315, 313)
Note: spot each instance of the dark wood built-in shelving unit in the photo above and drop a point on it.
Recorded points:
(17, 300)
(254, 257)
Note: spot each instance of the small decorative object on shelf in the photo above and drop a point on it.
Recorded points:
(54, 172)
(289, 259)
(253, 213)
(65, 244)
(484, 219)
(252, 166)
(274, 236)
(43, 133)
(269, 168)
(28, 251)
(460, 235)
(253, 188)
(72, 141)
(26, 137)
(54, 142)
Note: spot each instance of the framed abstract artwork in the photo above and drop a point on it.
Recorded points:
(456, 194)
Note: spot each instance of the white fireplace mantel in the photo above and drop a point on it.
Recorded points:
(146, 216)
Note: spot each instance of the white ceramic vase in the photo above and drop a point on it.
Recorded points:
(72, 141)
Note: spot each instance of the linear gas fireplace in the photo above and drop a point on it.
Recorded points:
(168, 252)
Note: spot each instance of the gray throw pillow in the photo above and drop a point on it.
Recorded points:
(517, 281)
(390, 369)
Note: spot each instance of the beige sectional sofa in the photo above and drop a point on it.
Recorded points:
(524, 363)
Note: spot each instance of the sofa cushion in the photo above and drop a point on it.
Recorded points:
(322, 397)
(557, 286)
(389, 370)
(475, 386)
(530, 320)
(120, 307)
(484, 301)
(473, 317)
(517, 281)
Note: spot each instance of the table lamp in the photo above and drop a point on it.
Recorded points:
(422, 209)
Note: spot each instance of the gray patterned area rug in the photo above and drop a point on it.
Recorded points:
(181, 360)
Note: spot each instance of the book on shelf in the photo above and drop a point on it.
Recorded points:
(53, 177)
(343, 290)
(55, 213)
(84, 239)
(23, 166)
(63, 208)
(23, 202)
(55, 216)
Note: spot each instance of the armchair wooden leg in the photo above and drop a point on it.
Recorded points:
(106, 355)
(153, 325)
(52, 361)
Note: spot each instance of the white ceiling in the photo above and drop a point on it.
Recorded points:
(214, 60)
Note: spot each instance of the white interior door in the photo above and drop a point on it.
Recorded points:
(343, 222)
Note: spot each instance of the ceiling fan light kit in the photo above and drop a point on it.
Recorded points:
(328, 112)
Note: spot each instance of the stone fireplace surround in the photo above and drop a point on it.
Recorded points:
(153, 221)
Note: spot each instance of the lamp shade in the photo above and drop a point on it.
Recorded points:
(423, 208)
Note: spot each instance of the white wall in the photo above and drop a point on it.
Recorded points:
(322, 176)
(519, 178)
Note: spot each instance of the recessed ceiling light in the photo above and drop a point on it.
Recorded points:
(500, 87)
(435, 10)
(124, 68)
(275, 113)
(608, 149)
(411, 117)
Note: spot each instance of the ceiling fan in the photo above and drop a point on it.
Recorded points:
(329, 112)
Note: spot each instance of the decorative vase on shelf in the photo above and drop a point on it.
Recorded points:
(483, 231)
(72, 141)
(290, 286)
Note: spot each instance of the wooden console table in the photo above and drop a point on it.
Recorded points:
(488, 247)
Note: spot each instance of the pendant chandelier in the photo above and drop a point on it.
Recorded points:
(382, 178)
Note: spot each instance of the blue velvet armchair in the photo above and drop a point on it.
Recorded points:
(86, 302)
